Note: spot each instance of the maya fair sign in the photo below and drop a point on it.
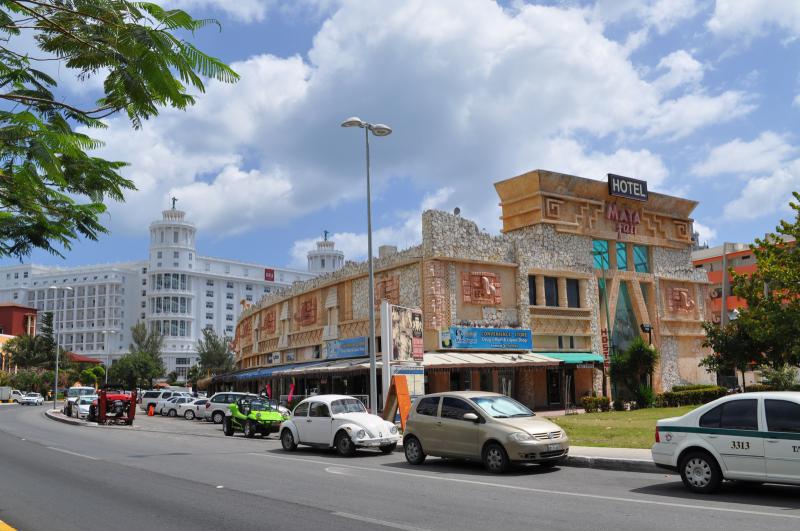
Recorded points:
(469, 338)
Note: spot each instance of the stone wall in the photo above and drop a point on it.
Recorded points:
(676, 264)
(447, 235)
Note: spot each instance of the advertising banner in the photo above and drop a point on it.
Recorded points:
(355, 347)
(415, 378)
(468, 338)
(406, 334)
(269, 275)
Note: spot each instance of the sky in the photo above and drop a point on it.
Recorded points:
(700, 98)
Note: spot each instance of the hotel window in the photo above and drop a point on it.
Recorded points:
(176, 254)
(25, 274)
(531, 290)
(209, 316)
(229, 285)
(249, 298)
(229, 295)
(229, 328)
(174, 240)
(210, 283)
(209, 293)
(229, 317)
(551, 291)
(573, 293)
(248, 287)
(209, 304)
(158, 255)
(229, 306)
(641, 260)
(622, 256)
(600, 254)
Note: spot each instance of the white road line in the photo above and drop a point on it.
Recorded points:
(542, 491)
(384, 523)
(70, 453)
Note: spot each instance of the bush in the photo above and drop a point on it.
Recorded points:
(592, 404)
(690, 398)
(691, 387)
(645, 396)
(782, 379)
(619, 405)
(757, 388)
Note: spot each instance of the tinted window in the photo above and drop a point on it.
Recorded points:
(712, 418)
(216, 399)
(573, 293)
(230, 399)
(740, 415)
(455, 408)
(318, 409)
(428, 406)
(150, 394)
(782, 416)
(166, 395)
(301, 410)
(551, 291)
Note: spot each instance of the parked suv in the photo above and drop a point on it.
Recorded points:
(218, 404)
(153, 397)
(487, 427)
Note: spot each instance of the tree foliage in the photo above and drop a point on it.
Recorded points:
(772, 293)
(135, 369)
(148, 344)
(51, 190)
(734, 348)
(214, 352)
(632, 368)
(47, 339)
(27, 352)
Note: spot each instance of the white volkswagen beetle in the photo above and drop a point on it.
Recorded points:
(337, 421)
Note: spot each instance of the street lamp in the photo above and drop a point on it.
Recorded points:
(105, 344)
(58, 337)
(648, 329)
(377, 130)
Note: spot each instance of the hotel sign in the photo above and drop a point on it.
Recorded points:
(627, 187)
(269, 275)
(625, 219)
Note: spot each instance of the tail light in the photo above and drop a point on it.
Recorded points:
(208, 405)
(658, 438)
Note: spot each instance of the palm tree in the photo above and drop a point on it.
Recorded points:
(27, 351)
(215, 356)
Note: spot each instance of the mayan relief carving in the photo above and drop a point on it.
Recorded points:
(306, 312)
(435, 279)
(588, 214)
(680, 300)
(552, 207)
(387, 289)
(268, 321)
(481, 287)
(682, 230)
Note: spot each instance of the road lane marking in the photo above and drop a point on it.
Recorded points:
(384, 523)
(542, 491)
(71, 453)
(5, 527)
(337, 471)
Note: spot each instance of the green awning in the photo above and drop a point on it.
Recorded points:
(574, 357)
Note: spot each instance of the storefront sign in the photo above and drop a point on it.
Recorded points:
(290, 356)
(627, 187)
(269, 275)
(276, 357)
(585, 366)
(626, 219)
(355, 347)
(604, 346)
(462, 337)
(415, 378)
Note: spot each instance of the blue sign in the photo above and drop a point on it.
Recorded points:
(355, 347)
(463, 337)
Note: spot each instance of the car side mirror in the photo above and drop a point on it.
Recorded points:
(472, 417)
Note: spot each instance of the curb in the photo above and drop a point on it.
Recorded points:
(66, 420)
(614, 463)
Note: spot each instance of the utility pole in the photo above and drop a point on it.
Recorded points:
(723, 316)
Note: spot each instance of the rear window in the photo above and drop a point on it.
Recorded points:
(782, 416)
(166, 395)
(151, 394)
(301, 410)
(428, 406)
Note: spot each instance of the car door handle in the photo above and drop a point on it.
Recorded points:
(439, 423)
(308, 420)
(713, 436)
(773, 441)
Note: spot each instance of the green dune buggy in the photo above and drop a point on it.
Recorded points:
(253, 416)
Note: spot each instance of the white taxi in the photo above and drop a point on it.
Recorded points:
(750, 437)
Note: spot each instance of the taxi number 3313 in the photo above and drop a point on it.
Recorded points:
(740, 445)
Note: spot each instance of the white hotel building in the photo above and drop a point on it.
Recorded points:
(174, 291)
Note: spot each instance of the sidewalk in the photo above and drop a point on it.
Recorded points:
(627, 459)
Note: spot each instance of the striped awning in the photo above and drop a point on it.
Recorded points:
(464, 360)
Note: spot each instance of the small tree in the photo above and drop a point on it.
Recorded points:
(135, 370)
(148, 344)
(633, 369)
(782, 379)
(88, 377)
(46, 339)
(215, 356)
(734, 348)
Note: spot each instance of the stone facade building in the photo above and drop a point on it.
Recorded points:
(524, 313)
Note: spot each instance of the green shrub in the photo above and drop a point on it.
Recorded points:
(691, 387)
(645, 397)
(592, 404)
(757, 388)
(619, 405)
(689, 398)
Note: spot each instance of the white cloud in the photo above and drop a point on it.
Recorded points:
(682, 69)
(474, 94)
(663, 15)
(763, 155)
(242, 10)
(767, 195)
(751, 18)
(706, 234)
(796, 101)
(405, 233)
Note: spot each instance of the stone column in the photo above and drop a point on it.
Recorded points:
(583, 293)
(562, 292)
(540, 299)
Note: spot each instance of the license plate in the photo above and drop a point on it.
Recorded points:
(553, 447)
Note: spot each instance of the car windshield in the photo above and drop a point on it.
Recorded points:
(79, 391)
(501, 407)
(347, 405)
(31, 394)
(260, 405)
(86, 401)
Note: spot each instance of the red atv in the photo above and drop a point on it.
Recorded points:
(113, 407)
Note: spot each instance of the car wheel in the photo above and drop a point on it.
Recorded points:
(287, 440)
(249, 429)
(217, 417)
(413, 451)
(173, 413)
(388, 448)
(700, 472)
(189, 415)
(495, 458)
(227, 427)
(344, 444)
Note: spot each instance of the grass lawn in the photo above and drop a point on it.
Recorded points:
(617, 429)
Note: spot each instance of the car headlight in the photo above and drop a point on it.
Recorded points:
(360, 434)
(393, 430)
(520, 436)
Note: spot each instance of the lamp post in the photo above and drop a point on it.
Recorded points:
(377, 130)
(58, 337)
(105, 345)
(648, 329)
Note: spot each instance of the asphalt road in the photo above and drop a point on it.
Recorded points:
(56, 476)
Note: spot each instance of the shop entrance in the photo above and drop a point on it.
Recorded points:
(553, 387)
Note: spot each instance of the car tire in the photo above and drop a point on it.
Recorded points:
(217, 417)
(388, 448)
(344, 445)
(413, 450)
(227, 427)
(287, 440)
(172, 413)
(700, 472)
(249, 429)
(189, 415)
(495, 458)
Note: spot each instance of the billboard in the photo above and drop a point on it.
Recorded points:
(269, 275)
(355, 347)
(469, 338)
(406, 334)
